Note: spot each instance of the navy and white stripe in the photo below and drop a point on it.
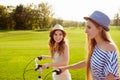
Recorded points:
(103, 62)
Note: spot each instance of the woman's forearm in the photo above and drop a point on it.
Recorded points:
(77, 65)
(46, 57)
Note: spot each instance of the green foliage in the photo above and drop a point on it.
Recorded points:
(25, 17)
(6, 21)
(17, 48)
(19, 17)
(45, 15)
(116, 21)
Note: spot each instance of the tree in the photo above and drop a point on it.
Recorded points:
(45, 15)
(29, 18)
(10, 21)
(19, 17)
(56, 21)
(3, 17)
(116, 20)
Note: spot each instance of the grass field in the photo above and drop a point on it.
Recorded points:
(17, 48)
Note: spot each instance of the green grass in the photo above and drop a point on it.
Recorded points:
(17, 48)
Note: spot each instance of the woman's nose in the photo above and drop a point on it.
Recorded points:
(85, 30)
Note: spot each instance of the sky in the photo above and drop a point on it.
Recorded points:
(73, 10)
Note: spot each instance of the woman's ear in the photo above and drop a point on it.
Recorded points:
(100, 28)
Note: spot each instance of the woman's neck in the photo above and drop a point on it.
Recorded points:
(99, 41)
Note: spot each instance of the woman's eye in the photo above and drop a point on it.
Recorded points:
(55, 34)
(60, 34)
(88, 27)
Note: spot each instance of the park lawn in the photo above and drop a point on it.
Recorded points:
(18, 48)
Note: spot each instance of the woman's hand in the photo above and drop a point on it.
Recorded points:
(43, 56)
(110, 76)
(60, 70)
(45, 66)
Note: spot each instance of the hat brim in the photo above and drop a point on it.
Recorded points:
(88, 18)
(59, 30)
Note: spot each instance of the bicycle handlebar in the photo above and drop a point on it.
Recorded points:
(38, 67)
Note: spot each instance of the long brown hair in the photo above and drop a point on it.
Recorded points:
(91, 45)
(60, 46)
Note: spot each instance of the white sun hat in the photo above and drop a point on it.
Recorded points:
(58, 26)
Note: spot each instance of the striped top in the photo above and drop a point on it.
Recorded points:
(103, 62)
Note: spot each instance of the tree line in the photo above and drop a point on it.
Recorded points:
(35, 17)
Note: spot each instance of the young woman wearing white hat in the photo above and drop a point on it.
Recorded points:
(102, 60)
(59, 52)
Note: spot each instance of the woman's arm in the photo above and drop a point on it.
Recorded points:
(77, 65)
(46, 57)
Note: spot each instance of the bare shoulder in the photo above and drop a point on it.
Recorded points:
(66, 44)
(110, 47)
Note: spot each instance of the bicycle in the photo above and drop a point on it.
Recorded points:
(38, 68)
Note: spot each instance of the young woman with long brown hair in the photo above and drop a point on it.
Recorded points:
(59, 50)
(102, 59)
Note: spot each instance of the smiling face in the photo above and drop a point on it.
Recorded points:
(92, 30)
(58, 36)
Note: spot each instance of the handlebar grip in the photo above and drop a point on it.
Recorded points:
(47, 67)
(38, 67)
(58, 71)
(39, 58)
